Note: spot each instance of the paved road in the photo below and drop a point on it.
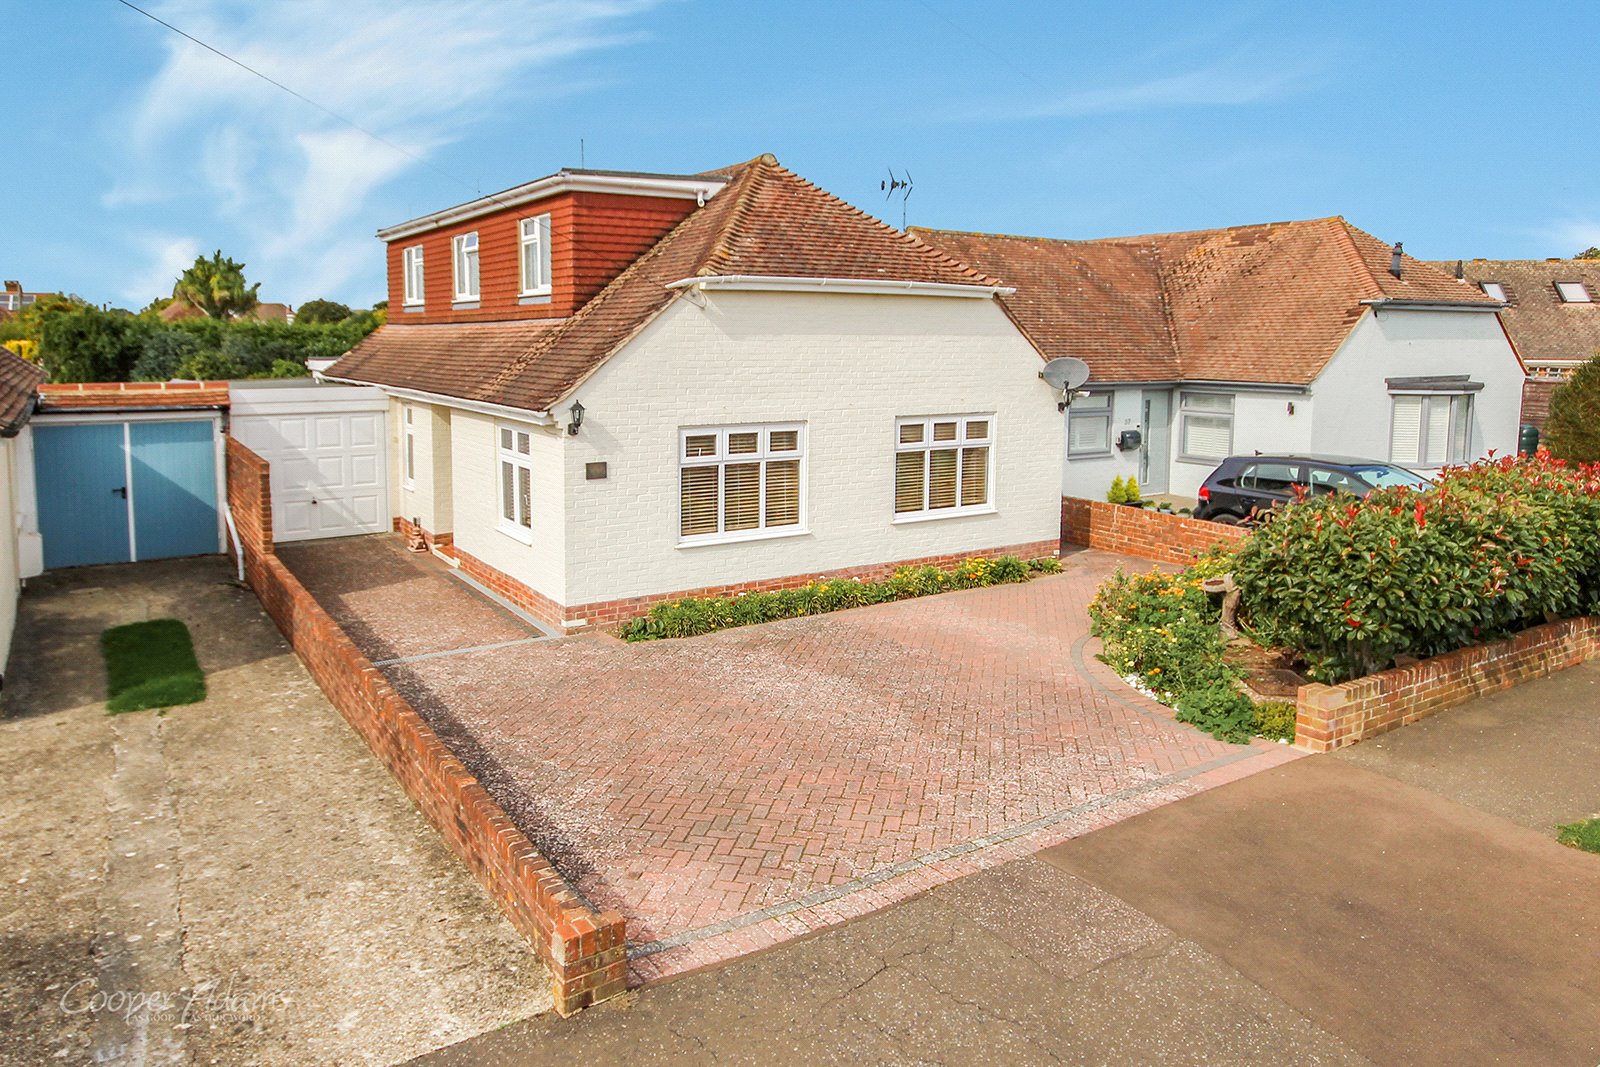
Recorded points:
(1402, 903)
(250, 841)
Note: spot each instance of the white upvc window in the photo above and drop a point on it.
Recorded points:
(533, 238)
(465, 255)
(1574, 293)
(1494, 291)
(515, 451)
(411, 268)
(1431, 430)
(943, 465)
(1206, 425)
(1089, 425)
(740, 483)
(408, 446)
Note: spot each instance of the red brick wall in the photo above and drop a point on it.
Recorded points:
(584, 950)
(1333, 716)
(593, 236)
(443, 543)
(1141, 532)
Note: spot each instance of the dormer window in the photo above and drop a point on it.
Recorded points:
(1574, 293)
(465, 248)
(534, 243)
(1495, 291)
(411, 264)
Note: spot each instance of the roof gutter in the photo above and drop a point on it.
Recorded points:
(697, 189)
(538, 418)
(1391, 304)
(875, 286)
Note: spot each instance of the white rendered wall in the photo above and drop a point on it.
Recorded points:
(1261, 423)
(475, 500)
(1354, 407)
(10, 572)
(427, 499)
(1091, 476)
(845, 365)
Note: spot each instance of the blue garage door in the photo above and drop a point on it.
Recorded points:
(114, 492)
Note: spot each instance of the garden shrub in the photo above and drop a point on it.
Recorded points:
(693, 616)
(1118, 493)
(1275, 720)
(1162, 628)
(1045, 565)
(1494, 548)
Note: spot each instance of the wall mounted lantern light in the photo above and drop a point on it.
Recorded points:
(577, 418)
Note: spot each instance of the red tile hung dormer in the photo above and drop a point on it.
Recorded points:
(594, 235)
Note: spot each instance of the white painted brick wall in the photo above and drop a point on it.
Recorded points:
(474, 479)
(847, 366)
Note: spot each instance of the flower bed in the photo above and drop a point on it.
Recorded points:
(694, 616)
(1160, 632)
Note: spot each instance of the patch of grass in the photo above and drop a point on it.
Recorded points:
(151, 665)
(1583, 834)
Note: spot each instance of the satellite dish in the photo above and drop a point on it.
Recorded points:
(1065, 373)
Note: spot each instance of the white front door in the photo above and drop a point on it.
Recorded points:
(329, 469)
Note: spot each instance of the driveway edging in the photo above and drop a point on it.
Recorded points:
(584, 949)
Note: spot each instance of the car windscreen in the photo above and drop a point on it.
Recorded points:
(1383, 476)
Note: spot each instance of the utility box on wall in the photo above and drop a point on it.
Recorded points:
(1128, 440)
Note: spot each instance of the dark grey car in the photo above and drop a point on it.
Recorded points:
(1243, 486)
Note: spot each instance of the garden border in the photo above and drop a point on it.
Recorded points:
(1334, 716)
(584, 949)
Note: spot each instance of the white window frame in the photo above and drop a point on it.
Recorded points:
(1091, 415)
(408, 446)
(414, 282)
(721, 460)
(1185, 412)
(518, 461)
(1574, 292)
(927, 446)
(1461, 405)
(464, 249)
(534, 233)
(1494, 291)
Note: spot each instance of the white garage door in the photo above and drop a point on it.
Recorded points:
(327, 446)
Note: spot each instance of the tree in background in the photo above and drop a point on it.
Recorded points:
(1572, 432)
(321, 312)
(217, 287)
(1588, 253)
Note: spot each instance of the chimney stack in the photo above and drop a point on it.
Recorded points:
(1394, 260)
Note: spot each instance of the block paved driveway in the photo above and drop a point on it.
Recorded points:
(732, 791)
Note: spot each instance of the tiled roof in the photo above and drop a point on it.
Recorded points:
(1100, 302)
(767, 222)
(18, 381)
(122, 396)
(1265, 303)
(1541, 324)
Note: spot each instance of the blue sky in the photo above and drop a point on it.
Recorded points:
(1462, 129)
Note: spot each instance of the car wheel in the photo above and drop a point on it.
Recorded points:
(1223, 518)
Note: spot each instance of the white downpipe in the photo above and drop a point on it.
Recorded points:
(233, 535)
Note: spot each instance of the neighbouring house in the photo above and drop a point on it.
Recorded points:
(181, 308)
(13, 299)
(19, 385)
(1309, 336)
(1552, 312)
(613, 388)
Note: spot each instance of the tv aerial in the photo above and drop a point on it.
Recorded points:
(892, 185)
(1067, 375)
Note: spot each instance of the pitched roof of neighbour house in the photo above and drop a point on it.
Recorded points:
(1542, 325)
(122, 396)
(767, 222)
(19, 381)
(1267, 303)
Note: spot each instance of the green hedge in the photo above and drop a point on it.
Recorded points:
(1494, 548)
(693, 616)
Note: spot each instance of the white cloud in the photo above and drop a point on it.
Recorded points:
(162, 257)
(1573, 236)
(287, 177)
(1214, 86)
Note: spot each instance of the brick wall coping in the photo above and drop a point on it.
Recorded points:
(1333, 716)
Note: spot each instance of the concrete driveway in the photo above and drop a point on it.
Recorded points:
(729, 792)
(234, 881)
